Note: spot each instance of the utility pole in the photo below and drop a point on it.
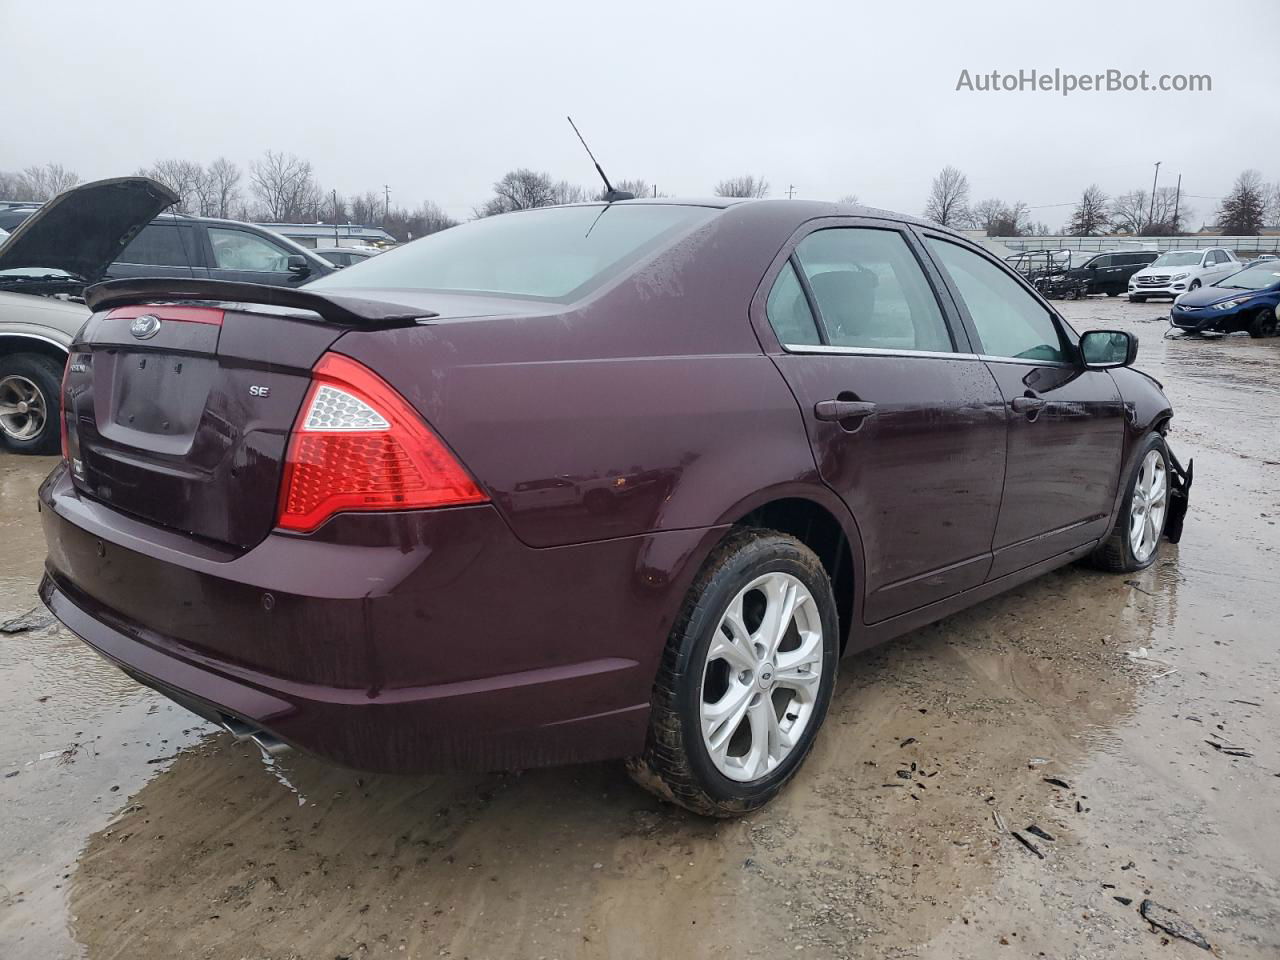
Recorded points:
(1177, 196)
(791, 191)
(335, 219)
(1151, 211)
(386, 211)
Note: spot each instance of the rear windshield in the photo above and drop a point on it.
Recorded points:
(553, 253)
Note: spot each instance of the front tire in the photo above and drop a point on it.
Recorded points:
(1263, 324)
(745, 679)
(30, 387)
(1134, 542)
(1195, 285)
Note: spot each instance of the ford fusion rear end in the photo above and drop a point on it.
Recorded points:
(266, 528)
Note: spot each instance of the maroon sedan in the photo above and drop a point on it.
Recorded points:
(584, 482)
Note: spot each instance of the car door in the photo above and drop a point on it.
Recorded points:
(248, 257)
(163, 248)
(1065, 424)
(1102, 270)
(906, 424)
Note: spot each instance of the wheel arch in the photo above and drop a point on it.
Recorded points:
(14, 343)
(821, 521)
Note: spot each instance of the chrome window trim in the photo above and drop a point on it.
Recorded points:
(929, 354)
(876, 351)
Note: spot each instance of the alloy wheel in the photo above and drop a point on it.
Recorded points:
(761, 677)
(23, 410)
(1150, 501)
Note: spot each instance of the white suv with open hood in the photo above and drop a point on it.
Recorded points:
(1175, 272)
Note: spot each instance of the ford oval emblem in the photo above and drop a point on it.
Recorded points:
(145, 327)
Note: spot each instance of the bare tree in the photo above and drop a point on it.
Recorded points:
(183, 177)
(1129, 211)
(1001, 219)
(1242, 211)
(368, 209)
(285, 187)
(747, 185)
(948, 198)
(1271, 213)
(637, 188)
(428, 218)
(14, 186)
(851, 198)
(566, 192)
(521, 189)
(223, 186)
(42, 183)
(1090, 217)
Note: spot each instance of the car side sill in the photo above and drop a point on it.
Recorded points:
(878, 633)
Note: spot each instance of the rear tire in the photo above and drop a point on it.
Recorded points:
(1142, 509)
(1114, 293)
(738, 702)
(30, 392)
(1263, 324)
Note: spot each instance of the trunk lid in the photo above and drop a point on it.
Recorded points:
(188, 427)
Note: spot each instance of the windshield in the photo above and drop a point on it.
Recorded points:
(1177, 259)
(35, 273)
(1253, 278)
(550, 253)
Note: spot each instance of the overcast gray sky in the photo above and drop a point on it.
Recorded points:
(439, 99)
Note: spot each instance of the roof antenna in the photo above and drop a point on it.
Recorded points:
(610, 194)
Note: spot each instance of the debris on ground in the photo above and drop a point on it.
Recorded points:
(907, 741)
(37, 618)
(1162, 918)
(1038, 762)
(1026, 843)
(1037, 832)
(1057, 782)
(999, 821)
(1228, 749)
(1140, 588)
(1122, 900)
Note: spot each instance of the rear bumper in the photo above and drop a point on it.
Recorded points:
(456, 647)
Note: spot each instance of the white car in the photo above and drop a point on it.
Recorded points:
(1179, 271)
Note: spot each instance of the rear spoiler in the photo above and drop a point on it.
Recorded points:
(350, 311)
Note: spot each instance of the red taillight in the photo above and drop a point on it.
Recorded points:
(166, 313)
(357, 445)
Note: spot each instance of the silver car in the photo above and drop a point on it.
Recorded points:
(45, 264)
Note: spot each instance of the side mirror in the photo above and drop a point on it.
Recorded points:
(1102, 349)
(298, 265)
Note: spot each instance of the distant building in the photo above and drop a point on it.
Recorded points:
(332, 234)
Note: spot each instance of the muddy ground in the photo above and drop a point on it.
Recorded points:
(128, 829)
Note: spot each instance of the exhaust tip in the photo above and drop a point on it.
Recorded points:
(268, 743)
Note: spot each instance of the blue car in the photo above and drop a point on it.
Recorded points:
(1246, 301)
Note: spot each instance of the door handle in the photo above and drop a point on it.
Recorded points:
(1028, 405)
(843, 409)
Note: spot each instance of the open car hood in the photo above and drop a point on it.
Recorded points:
(84, 230)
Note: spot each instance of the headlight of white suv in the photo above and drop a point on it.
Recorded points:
(1181, 276)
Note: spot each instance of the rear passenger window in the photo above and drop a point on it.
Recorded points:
(871, 292)
(1009, 320)
(789, 312)
(156, 245)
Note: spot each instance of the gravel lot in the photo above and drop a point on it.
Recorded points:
(129, 829)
